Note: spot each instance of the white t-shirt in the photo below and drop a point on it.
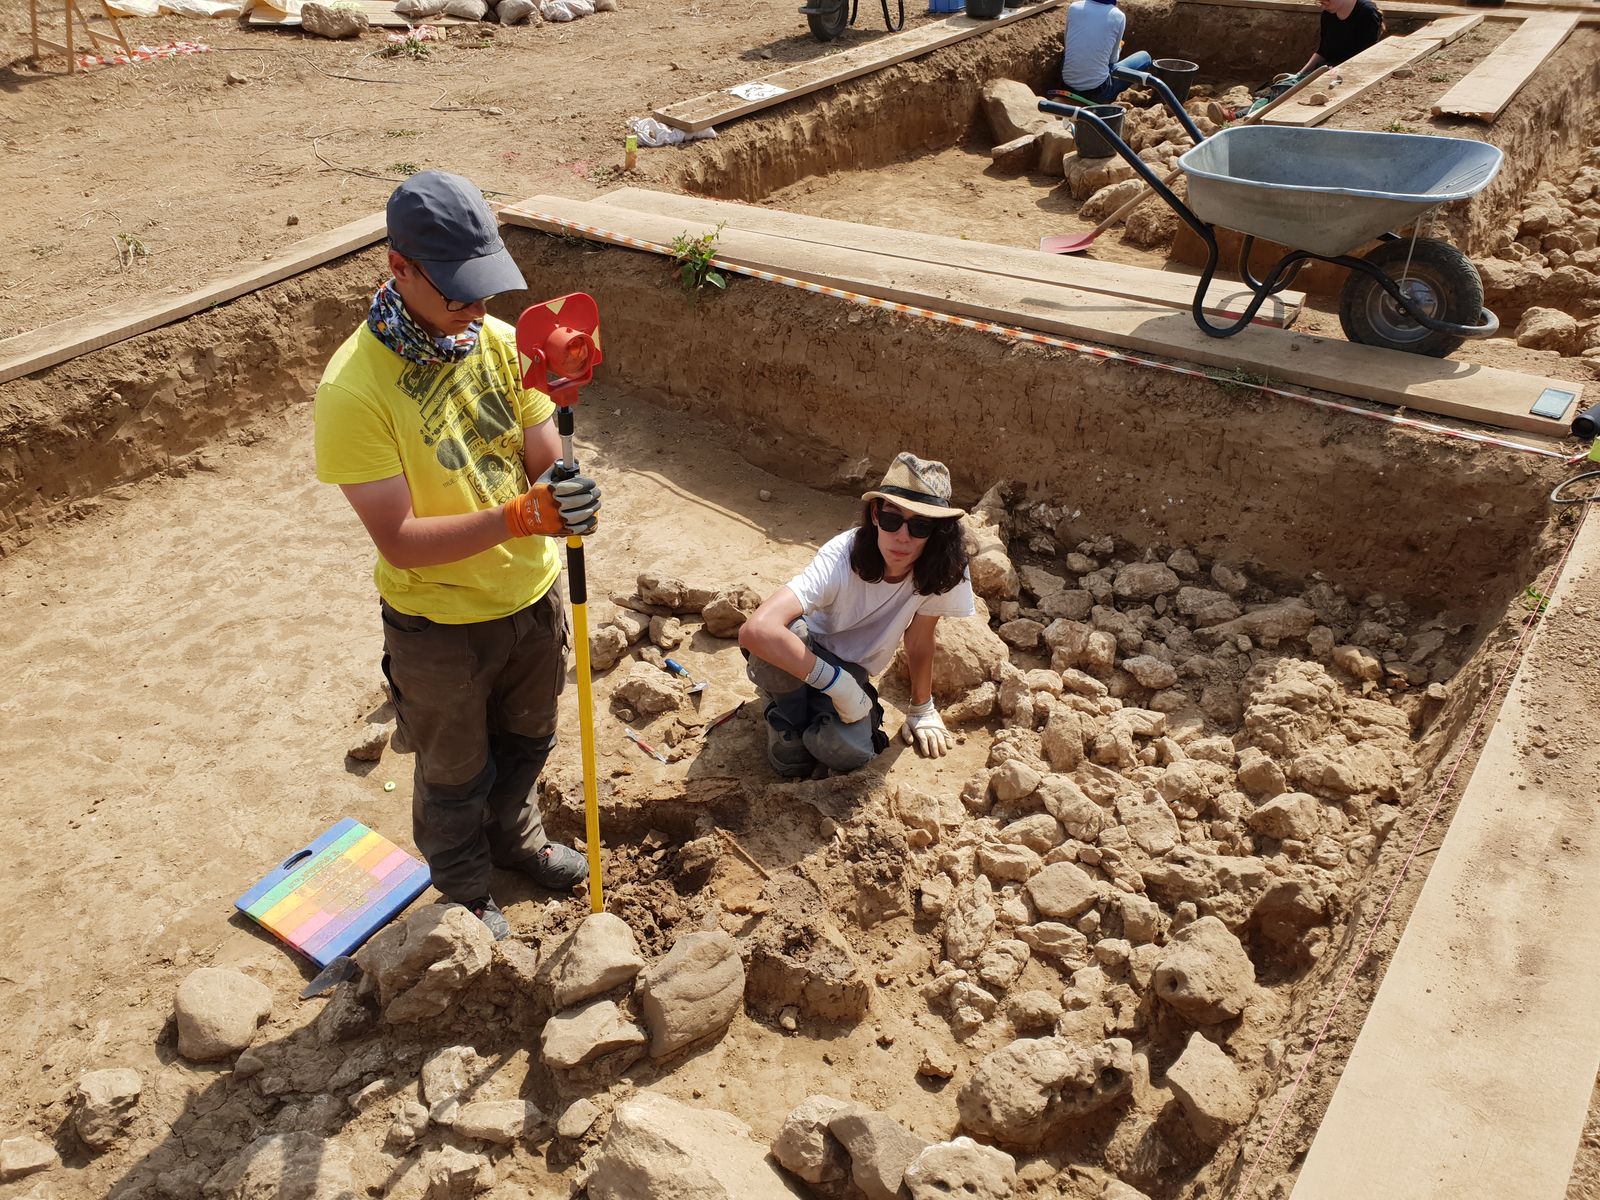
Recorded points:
(863, 622)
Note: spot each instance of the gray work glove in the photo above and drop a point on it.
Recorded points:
(578, 498)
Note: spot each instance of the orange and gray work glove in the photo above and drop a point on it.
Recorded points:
(925, 730)
(849, 700)
(555, 509)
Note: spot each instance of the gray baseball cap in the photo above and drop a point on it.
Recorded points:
(443, 222)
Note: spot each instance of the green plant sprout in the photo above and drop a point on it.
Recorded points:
(695, 255)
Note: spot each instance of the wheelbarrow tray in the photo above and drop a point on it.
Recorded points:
(1329, 191)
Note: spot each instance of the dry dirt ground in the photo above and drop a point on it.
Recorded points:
(189, 662)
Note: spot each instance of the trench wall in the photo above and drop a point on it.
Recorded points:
(813, 386)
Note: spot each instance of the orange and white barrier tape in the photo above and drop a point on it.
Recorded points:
(1044, 339)
(143, 54)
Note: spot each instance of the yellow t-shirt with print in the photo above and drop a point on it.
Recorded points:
(455, 431)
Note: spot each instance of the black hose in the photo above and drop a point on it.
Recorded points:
(1557, 498)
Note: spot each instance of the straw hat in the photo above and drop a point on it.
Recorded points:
(918, 485)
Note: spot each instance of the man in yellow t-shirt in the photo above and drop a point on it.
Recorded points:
(423, 422)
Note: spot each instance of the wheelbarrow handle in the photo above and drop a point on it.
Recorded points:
(1159, 86)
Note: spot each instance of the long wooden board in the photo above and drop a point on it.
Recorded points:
(52, 344)
(1454, 389)
(714, 108)
(1167, 288)
(1510, 10)
(1484, 91)
(1367, 70)
(1476, 1065)
(380, 14)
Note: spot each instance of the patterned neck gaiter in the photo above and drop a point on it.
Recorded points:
(397, 329)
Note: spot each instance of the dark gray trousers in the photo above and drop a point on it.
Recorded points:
(477, 704)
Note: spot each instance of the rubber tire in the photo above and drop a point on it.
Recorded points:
(1446, 272)
(825, 26)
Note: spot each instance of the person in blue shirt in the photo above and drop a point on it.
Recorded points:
(1092, 40)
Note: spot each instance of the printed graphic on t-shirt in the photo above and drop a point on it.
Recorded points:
(470, 423)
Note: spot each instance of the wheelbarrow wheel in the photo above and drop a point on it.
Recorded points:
(1438, 280)
(831, 21)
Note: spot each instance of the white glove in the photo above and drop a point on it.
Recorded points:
(925, 730)
(849, 701)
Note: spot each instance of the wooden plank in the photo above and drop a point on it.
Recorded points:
(52, 344)
(1360, 75)
(1448, 29)
(1453, 389)
(714, 108)
(1509, 10)
(1484, 91)
(1169, 289)
(1476, 1065)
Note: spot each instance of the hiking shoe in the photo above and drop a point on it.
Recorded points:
(1218, 114)
(787, 753)
(559, 868)
(487, 911)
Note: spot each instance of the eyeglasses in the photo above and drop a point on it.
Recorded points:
(451, 306)
(920, 528)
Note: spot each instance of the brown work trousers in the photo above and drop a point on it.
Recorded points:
(477, 704)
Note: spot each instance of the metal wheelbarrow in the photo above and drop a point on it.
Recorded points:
(1326, 193)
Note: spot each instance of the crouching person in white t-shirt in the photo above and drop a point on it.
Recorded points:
(816, 644)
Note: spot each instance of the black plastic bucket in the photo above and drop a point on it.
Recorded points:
(988, 9)
(1177, 73)
(1090, 142)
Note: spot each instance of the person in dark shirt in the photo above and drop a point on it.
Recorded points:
(1348, 27)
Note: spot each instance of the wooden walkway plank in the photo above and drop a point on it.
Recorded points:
(1170, 289)
(714, 108)
(1484, 91)
(1454, 389)
(379, 13)
(52, 344)
(1365, 71)
(1474, 1069)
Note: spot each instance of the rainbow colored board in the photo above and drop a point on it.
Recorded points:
(329, 897)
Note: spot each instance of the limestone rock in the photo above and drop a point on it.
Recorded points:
(218, 1011)
(966, 654)
(601, 954)
(500, 1122)
(1024, 633)
(1205, 973)
(1291, 815)
(806, 1147)
(578, 1119)
(23, 1156)
(371, 740)
(1548, 329)
(1026, 1092)
(584, 1034)
(449, 1173)
(420, 965)
(797, 957)
(608, 645)
(286, 1166)
(649, 690)
(961, 1168)
(727, 611)
(1150, 672)
(1039, 832)
(1145, 581)
(693, 993)
(880, 1150)
(1056, 940)
(1013, 780)
(1016, 156)
(1055, 144)
(1229, 578)
(1086, 176)
(1108, 199)
(103, 1105)
(662, 591)
(1357, 662)
(1062, 890)
(1258, 774)
(332, 20)
(1211, 1089)
(969, 922)
(1149, 822)
(1205, 606)
(660, 1149)
(1012, 110)
(667, 633)
(1273, 623)
(448, 1072)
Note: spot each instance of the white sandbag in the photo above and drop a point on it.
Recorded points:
(418, 8)
(515, 12)
(652, 132)
(605, 5)
(202, 8)
(467, 10)
(565, 10)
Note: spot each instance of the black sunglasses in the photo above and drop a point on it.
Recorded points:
(450, 306)
(920, 528)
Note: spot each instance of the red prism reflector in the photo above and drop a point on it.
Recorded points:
(558, 345)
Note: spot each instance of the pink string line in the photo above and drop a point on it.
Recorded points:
(1377, 921)
(1042, 339)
